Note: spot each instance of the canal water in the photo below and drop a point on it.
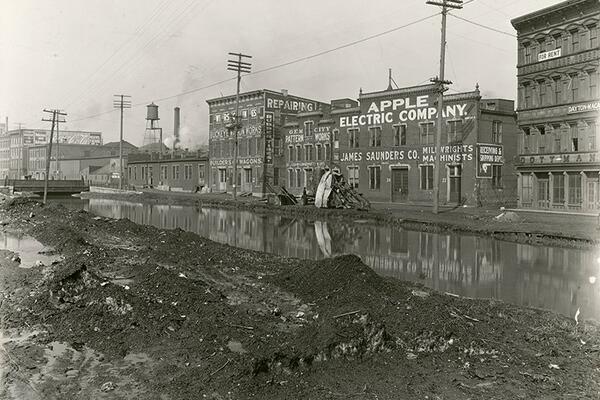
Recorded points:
(562, 280)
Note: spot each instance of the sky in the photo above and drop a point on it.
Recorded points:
(75, 55)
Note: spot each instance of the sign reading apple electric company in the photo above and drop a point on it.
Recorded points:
(419, 108)
(548, 55)
(487, 155)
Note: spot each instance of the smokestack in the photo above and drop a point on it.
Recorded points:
(176, 127)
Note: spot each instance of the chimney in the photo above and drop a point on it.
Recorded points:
(284, 92)
(176, 127)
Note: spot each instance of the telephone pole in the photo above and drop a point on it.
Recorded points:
(238, 66)
(445, 4)
(121, 102)
(56, 114)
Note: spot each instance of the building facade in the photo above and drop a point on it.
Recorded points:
(558, 68)
(14, 144)
(179, 171)
(261, 159)
(385, 147)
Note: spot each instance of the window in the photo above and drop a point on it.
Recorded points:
(277, 146)
(574, 82)
(175, 172)
(336, 138)
(299, 178)
(527, 95)
(496, 176)
(558, 190)
(556, 131)
(527, 52)
(275, 176)
(299, 153)
(526, 140)
(526, 188)
(375, 136)
(497, 132)
(187, 172)
(575, 40)
(574, 137)
(374, 177)
(399, 135)
(353, 138)
(593, 76)
(353, 177)
(309, 151)
(217, 118)
(290, 153)
(201, 171)
(454, 131)
(319, 153)
(557, 91)
(326, 153)
(291, 177)
(542, 139)
(593, 36)
(575, 189)
(244, 114)
(591, 135)
(130, 175)
(427, 135)
(163, 172)
(308, 128)
(426, 177)
(542, 93)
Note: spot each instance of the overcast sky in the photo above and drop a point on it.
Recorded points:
(74, 55)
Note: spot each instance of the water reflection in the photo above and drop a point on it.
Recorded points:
(551, 278)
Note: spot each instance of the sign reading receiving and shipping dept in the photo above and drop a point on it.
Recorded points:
(548, 55)
(487, 155)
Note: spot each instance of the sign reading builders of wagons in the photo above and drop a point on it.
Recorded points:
(486, 156)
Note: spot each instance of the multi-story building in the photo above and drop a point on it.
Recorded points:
(179, 171)
(13, 145)
(557, 71)
(386, 147)
(69, 160)
(260, 150)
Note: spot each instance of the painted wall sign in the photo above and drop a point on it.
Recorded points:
(269, 134)
(548, 55)
(250, 161)
(486, 156)
(225, 162)
(294, 138)
(389, 111)
(573, 158)
(425, 154)
(248, 130)
(289, 104)
(594, 106)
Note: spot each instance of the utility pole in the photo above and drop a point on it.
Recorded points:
(445, 4)
(56, 114)
(57, 150)
(120, 102)
(238, 66)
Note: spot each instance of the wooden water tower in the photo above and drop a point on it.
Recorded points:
(153, 131)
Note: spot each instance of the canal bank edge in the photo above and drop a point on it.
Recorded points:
(532, 229)
(200, 319)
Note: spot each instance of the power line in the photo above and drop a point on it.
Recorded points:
(483, 26)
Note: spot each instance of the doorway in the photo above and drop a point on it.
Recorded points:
(222, 180)
(399, 184)
(454, 178)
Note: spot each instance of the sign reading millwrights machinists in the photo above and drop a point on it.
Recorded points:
(487, 155)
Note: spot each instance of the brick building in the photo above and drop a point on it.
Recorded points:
(386, 147)
(558, 105)
(260, 149)
(179, 171)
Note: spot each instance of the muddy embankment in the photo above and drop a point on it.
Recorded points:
(526, 230)
(133, 312)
